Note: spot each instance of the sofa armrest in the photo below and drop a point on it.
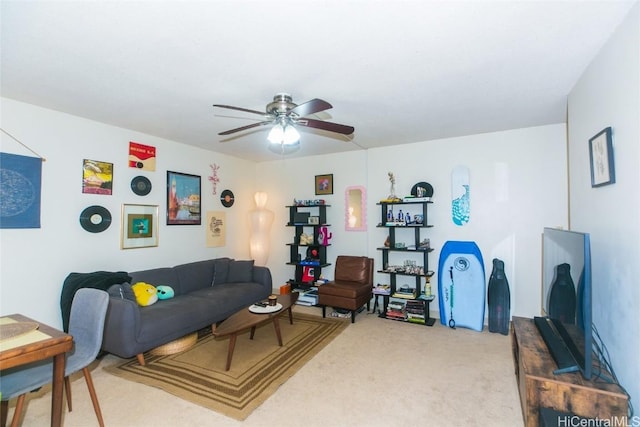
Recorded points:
(262, 276)
(121, 327)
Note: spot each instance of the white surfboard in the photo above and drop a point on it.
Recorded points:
(460, 207)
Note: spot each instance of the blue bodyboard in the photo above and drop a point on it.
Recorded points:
(461, 285)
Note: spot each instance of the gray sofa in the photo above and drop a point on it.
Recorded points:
(206, 292)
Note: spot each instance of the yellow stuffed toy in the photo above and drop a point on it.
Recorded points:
(145, 293)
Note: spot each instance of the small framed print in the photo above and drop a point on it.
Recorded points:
(139, 226)
(314, 220)
(601, 158)
(324, 184)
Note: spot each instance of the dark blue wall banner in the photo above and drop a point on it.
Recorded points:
(20, 186)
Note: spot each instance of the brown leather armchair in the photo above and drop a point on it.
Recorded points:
(352, 287)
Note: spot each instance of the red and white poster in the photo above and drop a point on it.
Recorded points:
(142, 156)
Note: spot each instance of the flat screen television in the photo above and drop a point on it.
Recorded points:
(565, 324)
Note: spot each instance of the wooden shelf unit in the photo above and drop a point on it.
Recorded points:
(567, 393)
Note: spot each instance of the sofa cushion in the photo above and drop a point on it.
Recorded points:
(194, 275)
(240, 271)
(220, 270)
(352, 269)
(158, 276)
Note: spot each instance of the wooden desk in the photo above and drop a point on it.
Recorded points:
(568, 393)
(51, 343)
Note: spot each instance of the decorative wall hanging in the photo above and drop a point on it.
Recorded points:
(20, 184)
(95, 219)
(97, 177)
(601, 157)
(139, 227)
(216, 229)
(460, 201)
(183, 199)
(141, 185)
(227, 198)
(142, 156)
(355, 202)
(213, 179)
(324, 184)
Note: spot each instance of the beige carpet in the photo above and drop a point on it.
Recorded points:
(375, 373)
(258, 368)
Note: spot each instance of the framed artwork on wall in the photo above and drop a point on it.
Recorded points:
(97, 177)
(183, 199)
(139, 226)
(324, 184)
(601, 158)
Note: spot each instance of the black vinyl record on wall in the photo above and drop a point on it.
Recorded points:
(141, 185)
(95, 219)
(226, 198)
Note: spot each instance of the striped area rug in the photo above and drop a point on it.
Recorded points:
(258, 368)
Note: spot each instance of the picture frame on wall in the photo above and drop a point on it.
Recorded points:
(139, 226)
(97, 177)
(601, 159)
(324, 184)
(183, 199)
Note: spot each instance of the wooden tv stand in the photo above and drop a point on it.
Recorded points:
(568, 393)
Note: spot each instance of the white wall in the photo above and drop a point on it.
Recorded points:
(608, 94)
(518, 186)
(35, 262)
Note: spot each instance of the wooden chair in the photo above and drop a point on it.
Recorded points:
(352, 287)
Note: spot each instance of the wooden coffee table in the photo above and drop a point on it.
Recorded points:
(244, 319)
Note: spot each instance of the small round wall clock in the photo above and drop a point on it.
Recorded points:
(226, 198)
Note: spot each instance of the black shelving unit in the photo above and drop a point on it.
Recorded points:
(295, 257)
(393, 228)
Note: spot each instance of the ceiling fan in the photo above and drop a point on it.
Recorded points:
(284, 115)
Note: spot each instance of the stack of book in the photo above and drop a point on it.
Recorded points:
(396, 310)
(415, 311)
(307, 297)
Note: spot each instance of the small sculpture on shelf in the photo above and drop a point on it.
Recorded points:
(324, 235)
(392, 198)
(306, 239)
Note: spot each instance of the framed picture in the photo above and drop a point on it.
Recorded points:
(183, 199)
(314, 220)
(97, 177)
(324, 184)
(601, 158)
(139, 226)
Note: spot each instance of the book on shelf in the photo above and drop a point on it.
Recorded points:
(382, 290)
(416, 199)
(404, 295)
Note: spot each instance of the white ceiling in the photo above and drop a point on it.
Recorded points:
(398, 71)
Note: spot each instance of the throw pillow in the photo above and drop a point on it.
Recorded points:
(240, 271)
(122, 291)
(146, 294)
(220, 271)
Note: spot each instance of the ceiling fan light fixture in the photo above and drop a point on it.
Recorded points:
(276, 135)
(283, 149)
(283, 134)
(291, 135)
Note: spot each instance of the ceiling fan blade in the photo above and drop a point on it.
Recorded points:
(246, 110)
(253, 125)
(310, 107)
(331, 127)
